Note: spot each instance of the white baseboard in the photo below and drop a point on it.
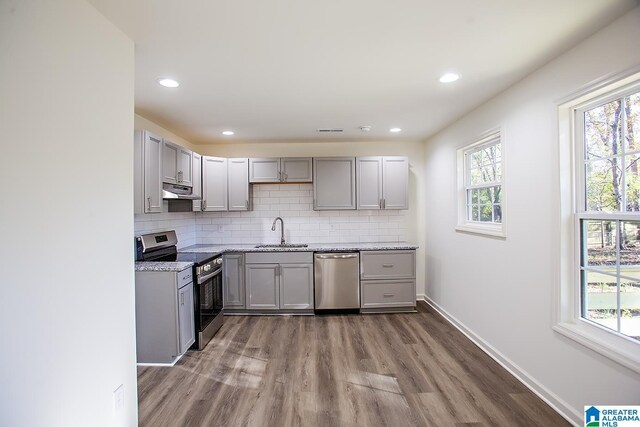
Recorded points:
(559, 405)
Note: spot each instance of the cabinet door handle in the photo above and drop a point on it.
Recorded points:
(204, 204)
(279, 176)
(181, 298)
(148, 203)
(384, 203)
(387, 265)
(380, 203)
(388, 295)
(247, 204)
(286, 177)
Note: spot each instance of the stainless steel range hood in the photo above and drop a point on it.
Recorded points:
(173, 191)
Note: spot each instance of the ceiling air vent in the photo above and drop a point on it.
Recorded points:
(330, 130)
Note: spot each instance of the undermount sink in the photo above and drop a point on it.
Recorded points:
(285, 245)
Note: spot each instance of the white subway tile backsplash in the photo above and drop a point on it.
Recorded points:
(292, 202)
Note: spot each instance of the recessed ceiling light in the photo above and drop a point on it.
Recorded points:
(228, 132)
(395, 130)
(449, 77)
(167, 82)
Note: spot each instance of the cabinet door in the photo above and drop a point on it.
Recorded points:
(264, 170)
(214, 184)
(152, 173)
(197, 181)
(296, 286)
(395, 183)
(262, 286)
(296, 169)
(233, 280)
(186, 317)
(170, 162)
(185, 167)
(334, 183)
(238, 184)
(369, 177)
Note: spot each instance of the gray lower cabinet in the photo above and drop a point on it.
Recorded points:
(296, 286)
(388, 279)
(164, 315)
(186, 318)
(263, 286)
(233, 283)
(279, 281)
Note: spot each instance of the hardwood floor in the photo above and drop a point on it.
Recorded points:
(395, 370)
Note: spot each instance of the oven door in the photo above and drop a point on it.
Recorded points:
(209, 301)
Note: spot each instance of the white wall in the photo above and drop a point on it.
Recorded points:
(67, 304)
(504, 293)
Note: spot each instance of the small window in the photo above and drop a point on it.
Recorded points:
(481, 186)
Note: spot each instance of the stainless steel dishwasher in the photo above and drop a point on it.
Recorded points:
(337, 281)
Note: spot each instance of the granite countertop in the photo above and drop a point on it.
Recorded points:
(313, 247)
(162, 266)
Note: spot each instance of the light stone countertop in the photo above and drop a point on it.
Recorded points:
(226, 248)
(313, 247)
(161, 266)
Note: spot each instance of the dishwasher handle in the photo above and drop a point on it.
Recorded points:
(337, 256)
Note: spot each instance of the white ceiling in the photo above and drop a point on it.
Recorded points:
(280, 69)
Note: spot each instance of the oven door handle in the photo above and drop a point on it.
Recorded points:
(203, 279)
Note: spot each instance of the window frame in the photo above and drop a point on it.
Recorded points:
(494, 136)
(567, 313)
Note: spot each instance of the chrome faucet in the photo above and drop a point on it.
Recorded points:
(273, 228)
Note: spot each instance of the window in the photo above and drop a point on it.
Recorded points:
(608, 145)
(599, 293)
(481, 186)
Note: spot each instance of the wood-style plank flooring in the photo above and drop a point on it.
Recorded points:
(340, 370)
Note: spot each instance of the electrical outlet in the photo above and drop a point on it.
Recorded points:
(334, 227)
(118, 399)
(220, 228)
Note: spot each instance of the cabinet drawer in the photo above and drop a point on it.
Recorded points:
(387, 265)
(279, 258)
(388, 293)
(185, 277)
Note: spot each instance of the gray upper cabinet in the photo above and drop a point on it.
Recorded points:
(233, 284)
(334, 183)
(185, 167)
(148, 169)
(264, 170)
(285, 169)
(383, 182)
(263, 285)
(238, 175)
(169, 162)
(395, 183)
(177, 164)
(197, 181)
(296, 169)
(369, 174)
(214, 184)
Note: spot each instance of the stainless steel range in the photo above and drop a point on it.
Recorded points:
(207, 273)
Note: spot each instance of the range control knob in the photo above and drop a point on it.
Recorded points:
(206, 268)
(218, 261)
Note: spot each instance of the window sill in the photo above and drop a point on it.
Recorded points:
(620, 349)
(488, 230)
